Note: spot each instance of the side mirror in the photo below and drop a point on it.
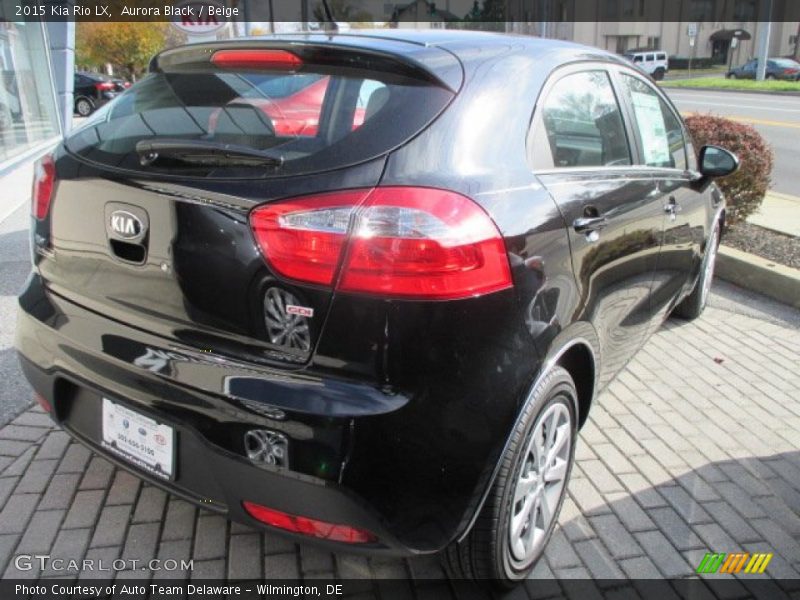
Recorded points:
(717, 162)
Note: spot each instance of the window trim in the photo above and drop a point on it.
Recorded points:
(536, 123)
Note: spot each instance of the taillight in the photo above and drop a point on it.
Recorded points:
(307, 526)
(399, 242)
(256, 59)
(303, 239)
(44, 178)
(102, 86)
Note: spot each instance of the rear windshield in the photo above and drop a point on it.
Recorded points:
(786, 63)
(313, 121)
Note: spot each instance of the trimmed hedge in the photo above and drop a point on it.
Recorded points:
(678, 62)
(744, 190)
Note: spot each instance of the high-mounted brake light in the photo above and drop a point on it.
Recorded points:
(256, 59)
(309, 527)
(400, 242)
(44, 178)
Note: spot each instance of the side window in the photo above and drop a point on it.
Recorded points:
(582, 124)
(659, 130)
(651, 57)
(637, 58)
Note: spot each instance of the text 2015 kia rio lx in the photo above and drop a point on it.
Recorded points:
(384, 334)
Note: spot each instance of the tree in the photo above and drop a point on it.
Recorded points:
(127, 46)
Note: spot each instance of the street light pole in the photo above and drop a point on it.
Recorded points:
(764, 31)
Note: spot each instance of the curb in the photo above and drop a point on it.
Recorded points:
(713, 89)
(759, 275)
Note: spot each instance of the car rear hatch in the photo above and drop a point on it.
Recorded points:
(150, 218)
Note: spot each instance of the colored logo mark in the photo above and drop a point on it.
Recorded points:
(735, 562)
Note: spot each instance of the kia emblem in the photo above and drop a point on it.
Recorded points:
(126, 225)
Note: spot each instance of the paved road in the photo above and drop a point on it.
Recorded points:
(777, 118)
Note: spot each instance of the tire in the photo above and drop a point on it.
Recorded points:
(732, 76)
(658, 74)
(693, 305)
(84, 107)
(769, 76)
(486, 553)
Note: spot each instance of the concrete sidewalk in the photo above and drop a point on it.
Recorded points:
(779, 212)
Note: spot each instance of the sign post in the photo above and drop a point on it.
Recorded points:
(691, 31)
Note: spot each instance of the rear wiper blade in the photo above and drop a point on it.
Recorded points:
(202, 152)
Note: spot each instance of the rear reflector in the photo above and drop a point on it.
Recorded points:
(309, 527)
(256, 59)
(42, 401)
(44, 178)
(400, 242)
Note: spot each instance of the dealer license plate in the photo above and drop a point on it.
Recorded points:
(139, 439)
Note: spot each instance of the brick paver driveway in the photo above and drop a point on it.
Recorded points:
(695, 448)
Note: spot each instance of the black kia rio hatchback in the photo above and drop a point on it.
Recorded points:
(365, 288)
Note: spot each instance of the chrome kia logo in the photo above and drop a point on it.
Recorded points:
(126, 225)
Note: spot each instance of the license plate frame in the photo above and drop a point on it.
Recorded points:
(139, 439)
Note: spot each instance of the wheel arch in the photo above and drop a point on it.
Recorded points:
(574, 349)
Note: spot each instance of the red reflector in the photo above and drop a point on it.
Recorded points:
(258, 59)
(44, 177)
(42, 401)
(309, 527)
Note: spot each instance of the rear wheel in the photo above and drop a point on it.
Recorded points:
(770, 76)
(693, 305)
(732, 76)
(658, 74)
(84, 107)
(521, 511)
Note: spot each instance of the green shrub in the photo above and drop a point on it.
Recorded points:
(745, 189)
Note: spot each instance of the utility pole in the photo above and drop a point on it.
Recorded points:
(764, 31)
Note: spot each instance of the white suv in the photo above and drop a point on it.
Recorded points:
(653, 62)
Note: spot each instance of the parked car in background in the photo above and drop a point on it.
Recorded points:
(120, 84)
(653, 62)
(777, 68)
(92, 90)
(383, 336)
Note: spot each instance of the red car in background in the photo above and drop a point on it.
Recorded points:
(293, 112)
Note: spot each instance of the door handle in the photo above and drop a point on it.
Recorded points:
(589, 224)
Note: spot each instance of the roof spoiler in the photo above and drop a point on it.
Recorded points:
(343, 58)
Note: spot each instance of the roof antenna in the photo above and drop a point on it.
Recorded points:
(331, 24)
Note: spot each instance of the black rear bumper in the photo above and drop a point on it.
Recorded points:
(411, 468)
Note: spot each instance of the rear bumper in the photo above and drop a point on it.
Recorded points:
(75, 379)
(409, 468)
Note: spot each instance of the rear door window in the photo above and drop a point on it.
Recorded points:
(658, 128)
(582, 123)
(313, 120)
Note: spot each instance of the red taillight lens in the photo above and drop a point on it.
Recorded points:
(256, 59)
(303, 239)
(403, 242)
(104, 85)
(424, 243)
(307, 526)
(44, 178)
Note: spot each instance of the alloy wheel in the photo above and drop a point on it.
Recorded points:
(540, 484)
